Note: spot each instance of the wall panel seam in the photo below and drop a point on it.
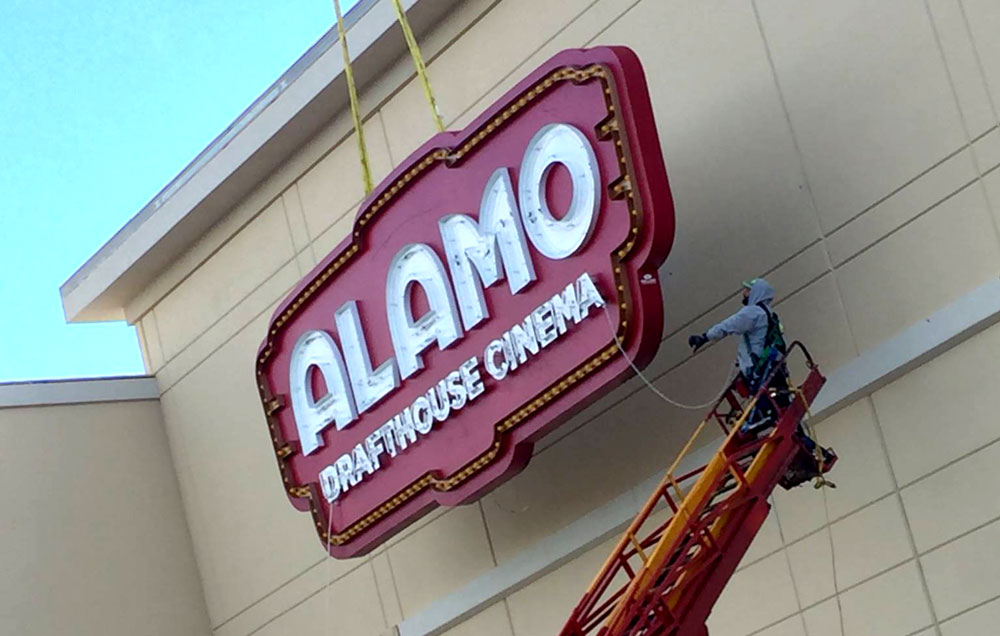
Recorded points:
(788, 564)
(906, 521)
(416, 526)
(395, 586)
(288, 609)
(803, 173)
(378, 592)
(965, 126)
(159, 339)
(948, 465)
(429, 60)
(235, 333)
(527, 57)
(201, 261)
(486, 528)
(147, 357)
(302, 213)
(979, 63)
(853, 511)
(353, 208)
(960, 536)
(385, 138)
(973, 608)
(920, 175)
(295, 252)
(914, 218)
(613, 22)
(326, 583)
(812, 533)
(843, 591)
(236, 303)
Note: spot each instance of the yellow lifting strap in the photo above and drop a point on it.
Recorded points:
(418, 63)
(352, 91)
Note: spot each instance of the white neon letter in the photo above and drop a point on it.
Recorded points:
(587, 292)
(497, 239)
(329, 483)
(417, 264)
(312, 416)
(369, 386)
(565, 144)
(493, 353)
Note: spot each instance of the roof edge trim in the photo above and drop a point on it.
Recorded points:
(78, 391)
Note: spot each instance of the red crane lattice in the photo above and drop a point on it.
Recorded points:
(664, 576)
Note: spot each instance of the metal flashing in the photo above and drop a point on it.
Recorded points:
(78, 391)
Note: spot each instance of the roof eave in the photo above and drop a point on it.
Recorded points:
(281, 120)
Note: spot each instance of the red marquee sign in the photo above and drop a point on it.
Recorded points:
(495, 283)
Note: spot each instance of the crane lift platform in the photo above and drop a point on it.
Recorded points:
(672, 563)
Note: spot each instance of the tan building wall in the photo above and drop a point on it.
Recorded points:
(93, 540)
(825, 145)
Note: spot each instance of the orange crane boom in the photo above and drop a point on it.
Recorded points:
(672, 563)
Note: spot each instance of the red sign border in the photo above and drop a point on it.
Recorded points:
(640, 181)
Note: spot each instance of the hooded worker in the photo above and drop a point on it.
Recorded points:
(750, 322)
(761, 345)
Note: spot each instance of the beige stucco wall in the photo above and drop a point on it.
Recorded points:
(93, 539)
(822, 144)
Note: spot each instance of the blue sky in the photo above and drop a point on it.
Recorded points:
(101, 104)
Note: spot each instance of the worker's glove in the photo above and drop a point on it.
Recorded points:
(697, 341)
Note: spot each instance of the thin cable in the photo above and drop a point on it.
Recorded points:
(833, 561)
(352, 93)
(810, 431)
(788, 561)
(820, 483)
(329, 561)
(652, 387)
(961, 113)
(418, 63)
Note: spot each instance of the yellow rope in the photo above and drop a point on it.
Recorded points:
(418, 62)
(366, 175)
(820, 480)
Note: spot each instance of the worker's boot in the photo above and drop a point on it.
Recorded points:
(806, 466)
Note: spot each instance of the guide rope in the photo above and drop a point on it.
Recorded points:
(418, 63)
(352, 92)
(969, 141)
(820, 482)
(833, 561)
(810, 430)
(652, 387)
(329, 562)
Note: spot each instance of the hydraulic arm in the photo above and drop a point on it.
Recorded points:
(675, 558)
